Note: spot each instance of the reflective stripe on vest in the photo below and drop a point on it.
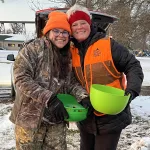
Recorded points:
(99, 67)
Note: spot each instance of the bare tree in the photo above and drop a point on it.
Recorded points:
(17, 28)
(134, 18)
(2, 1)
(133, 24)
(141, 19)
(67, 3)
(35, 5)
(9, 31)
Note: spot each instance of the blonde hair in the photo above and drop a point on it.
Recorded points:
(75, 8)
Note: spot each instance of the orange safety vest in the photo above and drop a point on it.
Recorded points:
(99, 67)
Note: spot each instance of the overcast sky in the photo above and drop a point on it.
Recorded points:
(19, 10)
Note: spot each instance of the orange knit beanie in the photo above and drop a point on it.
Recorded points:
(57, 19)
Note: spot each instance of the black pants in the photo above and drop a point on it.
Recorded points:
(99, 142)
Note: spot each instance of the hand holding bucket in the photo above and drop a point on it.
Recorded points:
(108, 100)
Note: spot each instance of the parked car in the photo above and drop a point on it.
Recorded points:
(11, 57)
(142, 53)
(1, 48)
(4, 59)
(99, 19)
(4, 53)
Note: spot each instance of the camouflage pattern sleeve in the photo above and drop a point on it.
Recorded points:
(27, 72)
(76, 89)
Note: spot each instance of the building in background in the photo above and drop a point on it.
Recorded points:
(12, 41)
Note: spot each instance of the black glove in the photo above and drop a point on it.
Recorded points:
(85, 102)
(132, 95)
(55, 111)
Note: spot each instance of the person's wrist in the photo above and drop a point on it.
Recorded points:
(86, 102)
(131, 93)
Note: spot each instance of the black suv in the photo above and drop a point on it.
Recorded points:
(99, 19)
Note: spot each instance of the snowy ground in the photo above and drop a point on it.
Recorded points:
(134, 137)
(145, 63)
(133, 133)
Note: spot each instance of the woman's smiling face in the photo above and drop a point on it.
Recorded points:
(80, 30)
(59, 37)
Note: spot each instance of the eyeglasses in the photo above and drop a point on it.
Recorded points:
(57, 33)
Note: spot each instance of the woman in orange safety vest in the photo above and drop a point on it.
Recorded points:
(98, 59)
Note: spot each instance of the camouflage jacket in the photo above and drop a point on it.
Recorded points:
(35, 83)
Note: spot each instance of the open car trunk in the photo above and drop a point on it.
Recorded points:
(99, 19)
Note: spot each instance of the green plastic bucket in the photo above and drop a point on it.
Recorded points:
(76, 111)
(108, 100)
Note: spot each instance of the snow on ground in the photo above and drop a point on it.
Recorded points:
(6, 128)
(134, 137)
(145, 61)
(131, 135)
(5, 74)
(141, 106)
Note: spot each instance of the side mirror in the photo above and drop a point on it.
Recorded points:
(11, 57)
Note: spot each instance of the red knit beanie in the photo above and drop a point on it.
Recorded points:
(57, 19)
(78, 12)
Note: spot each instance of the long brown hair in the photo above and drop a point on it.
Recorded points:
(62, 59)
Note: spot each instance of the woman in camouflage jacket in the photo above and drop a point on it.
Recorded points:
(42, 69)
